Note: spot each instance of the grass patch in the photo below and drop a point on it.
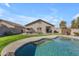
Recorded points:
(9, 39)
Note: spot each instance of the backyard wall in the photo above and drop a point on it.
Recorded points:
(74, 30)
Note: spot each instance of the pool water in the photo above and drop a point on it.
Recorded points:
(55, 47)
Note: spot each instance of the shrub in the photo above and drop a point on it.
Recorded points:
(8, 33)
(56, 31)
(76, 33)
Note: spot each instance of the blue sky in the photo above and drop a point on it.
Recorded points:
(53, 13)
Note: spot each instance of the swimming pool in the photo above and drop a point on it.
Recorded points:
(59, 46)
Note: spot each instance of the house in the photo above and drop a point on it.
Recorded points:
(10, 27)
(39, 26)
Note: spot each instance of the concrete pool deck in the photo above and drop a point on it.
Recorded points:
(10, 49)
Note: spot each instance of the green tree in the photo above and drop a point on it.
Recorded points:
(63, 24)
(74, 24)
(77, 22)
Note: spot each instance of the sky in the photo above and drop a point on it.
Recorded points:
(24, 13)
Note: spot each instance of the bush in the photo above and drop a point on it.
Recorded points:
(76, 33)
(56, 31)
(8, 33)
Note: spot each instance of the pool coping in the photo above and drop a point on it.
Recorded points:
(10, 49)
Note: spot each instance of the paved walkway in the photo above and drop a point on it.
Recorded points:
(11, 48)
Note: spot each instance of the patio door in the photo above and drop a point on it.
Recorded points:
(48, 29)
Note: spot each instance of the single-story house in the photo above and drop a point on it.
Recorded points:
(10, 27)
(40, 26)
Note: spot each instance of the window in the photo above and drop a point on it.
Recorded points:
(28, 28)
(39, 28)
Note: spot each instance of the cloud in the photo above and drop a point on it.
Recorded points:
(77, 15)
(2, 12)
(26, 19)
(22, 19)
(7, 4)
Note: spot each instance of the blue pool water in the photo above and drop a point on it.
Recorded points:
(55, 47)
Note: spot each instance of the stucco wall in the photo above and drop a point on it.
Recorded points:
(5, 27)
(40, 24)
(8, 25)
